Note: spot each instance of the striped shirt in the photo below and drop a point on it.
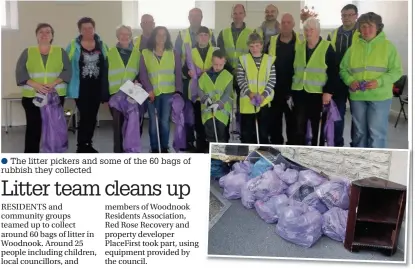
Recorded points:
(243, 82)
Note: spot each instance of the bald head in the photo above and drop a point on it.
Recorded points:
(195, 17)
(147, 24)
(238, 14)
(271, 13)
(287, 23)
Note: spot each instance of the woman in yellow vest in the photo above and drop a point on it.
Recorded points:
(41, 69)
(370, 67)
(161, 77)
(123, 65)
(256, 78)
(315, 80)
(215, 91)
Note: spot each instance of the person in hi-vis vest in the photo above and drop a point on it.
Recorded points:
(41, 69)
(370, 67)
(89, 83)
(341, 39)
(201, 61)
(256, 78)
(123, 65)
(215, 91)
(161, 77)
(282, 46)
(316, 78)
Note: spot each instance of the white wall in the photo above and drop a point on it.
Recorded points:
(108, 15)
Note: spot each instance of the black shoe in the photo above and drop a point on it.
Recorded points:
(154, 151)
(86, 148)
(165, 151)
(91, 149)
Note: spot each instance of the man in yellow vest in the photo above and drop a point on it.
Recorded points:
(201, 61)
(283, 47)
(123, 65)
(215, 91)
(233, 42)
(341, 39)
(316, 79)
(147, 25)
(256, 78)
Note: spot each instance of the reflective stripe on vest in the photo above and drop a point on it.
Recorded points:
(41, 73)
(118, 73)
(257, 80)
(161, 73)
(215, 92)
(235, 49)
(333, 37)
(202, 65)
(368, 62)
(186, 38)
(272, 49)
(311, 76)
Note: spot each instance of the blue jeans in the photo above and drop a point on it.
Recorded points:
(163, 106)
(370, 120)
(339, 125)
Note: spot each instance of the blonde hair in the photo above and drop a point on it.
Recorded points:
(121, 27)
(312, 22)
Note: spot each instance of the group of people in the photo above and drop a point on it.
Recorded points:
(268, 73)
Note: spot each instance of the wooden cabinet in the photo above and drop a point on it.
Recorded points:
(376, 210)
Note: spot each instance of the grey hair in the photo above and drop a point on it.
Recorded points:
(254, 38)
(119, 28)
(371, 18)
(312, 22)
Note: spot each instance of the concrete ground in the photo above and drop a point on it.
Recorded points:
(241, 232)
(13, 142)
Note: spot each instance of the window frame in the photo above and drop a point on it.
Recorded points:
(11, 13)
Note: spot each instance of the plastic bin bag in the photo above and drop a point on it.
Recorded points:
(314, 201)
(290, 176)
(334, 193)
(232, 185)
(298, 191)
(268, 210)
(268, 185)
(279, 169)
(217, 169)
(310, 178)
(300, 225)
(335, 223)
(242, 167)
(260, 167)
(248, 193)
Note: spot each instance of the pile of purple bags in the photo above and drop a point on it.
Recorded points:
(303, 204)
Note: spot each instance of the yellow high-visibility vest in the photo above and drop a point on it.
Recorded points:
(235, 49)
(273, 43)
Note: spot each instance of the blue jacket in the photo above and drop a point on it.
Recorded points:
(74, 52)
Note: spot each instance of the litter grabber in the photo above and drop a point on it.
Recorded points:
(214, 125)
(319, 128)
(256, 102)
(157, 128)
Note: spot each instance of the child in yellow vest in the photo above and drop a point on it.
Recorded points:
(215, 92)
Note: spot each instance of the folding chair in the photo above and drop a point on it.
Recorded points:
(403, 99)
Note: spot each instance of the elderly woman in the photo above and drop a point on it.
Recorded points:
(256, 78)
(89, 83)
(369, 68)
(316, 78)
(123, 65)
(161, 76)
(41, 69)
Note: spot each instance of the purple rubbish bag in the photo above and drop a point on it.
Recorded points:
(309, 134)
(248, 193)
(334, 193)
(314, 201)
(189, 118)
(333, 116)
(131, 125)
(177, 115)
(54, 128)
(268, 185)
(242, 167)
(290, 176)
(335, 223)
(298, 191)
(300, 225)
(268, 210)
(232, 185)
(223, 178)
(310, 178)
(279, 169)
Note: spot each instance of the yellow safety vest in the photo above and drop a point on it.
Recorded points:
(311, 76)
(235, 49)
(272, 49)
(118, 73)
(257, 81)
(40, 73)
(187, 39)
(215, 92)
(137, 42)
(333, 37)
(161, 73)
(202, 65)
(369, 64)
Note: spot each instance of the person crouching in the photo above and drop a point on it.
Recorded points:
(215, 89)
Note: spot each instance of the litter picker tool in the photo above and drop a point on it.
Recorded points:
(214, 126)
(256, 125)
(157, 128)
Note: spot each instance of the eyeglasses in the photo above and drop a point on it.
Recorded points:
(348, 15)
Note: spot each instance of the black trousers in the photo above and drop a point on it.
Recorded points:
(249, 127)
(307, 107)
(201, 142)
(88, 105)
(117, 122)
(279, 110)
(33, 125)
